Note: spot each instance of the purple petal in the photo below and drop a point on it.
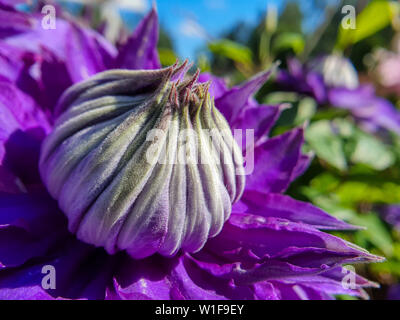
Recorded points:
(9, 183)
(394, 292)
(53, 87)
(391, 214)
(12, 2)
(16, 65)
(331, 282)
(299, 79)
(18, 106)
(281, 206)
(319, 257)
(164, 279)
(266, 270)
(317, 86)
(30, 224)
(28, 211)
(11, 61)
(29, 292)
(266, 291)
(274, 269)
(84, 51)
(84, 54)
(82, 272)
(35, 37)
(273, 237)
(22, 150)
(13, 21)
(367, 107)
(236, 99)
(17, 111)
(302, 165)
(260, 119)
(140, 50)
(295, 291)
(18, 246)
(22, 128)
(218, 85)
(275, 162)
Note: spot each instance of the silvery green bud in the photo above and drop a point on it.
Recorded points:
(141, 162)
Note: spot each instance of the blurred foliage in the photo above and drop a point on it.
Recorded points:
(374, 17)
(231, 50)
(289, 41)
(166, 48)
(167, 56)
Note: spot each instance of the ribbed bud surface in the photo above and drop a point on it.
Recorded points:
(142, 163)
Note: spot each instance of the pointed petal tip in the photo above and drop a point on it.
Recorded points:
(374, 284)
(140, 49)
(375, 258)
(366, 256)
(154, 7)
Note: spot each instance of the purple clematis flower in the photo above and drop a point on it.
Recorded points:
(394, 292)
(333, 80)
(387, 63)
(271, 247)
(391, 214)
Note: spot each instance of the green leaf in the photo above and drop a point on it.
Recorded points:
(305, 110)
(390, 267)
(372, 152)
(203, 63)
(375, 16)
(325, 182)
(167, 56)
(281, 97)
(326, 144)
(345, 297)
(289, 40)
(353, 192)
(330, 204)
(376, 232)
(231, 50)
(298, 111)
(363, 147)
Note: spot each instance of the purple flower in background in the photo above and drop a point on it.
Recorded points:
(336, 71)
(271, 247)
(332, 80)
(394, 292)
(391, 214)
(387, 65)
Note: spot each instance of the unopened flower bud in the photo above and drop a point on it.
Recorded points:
(117, 162)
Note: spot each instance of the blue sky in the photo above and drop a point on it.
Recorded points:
(185, 19)
(191, 22)
(214, 18)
